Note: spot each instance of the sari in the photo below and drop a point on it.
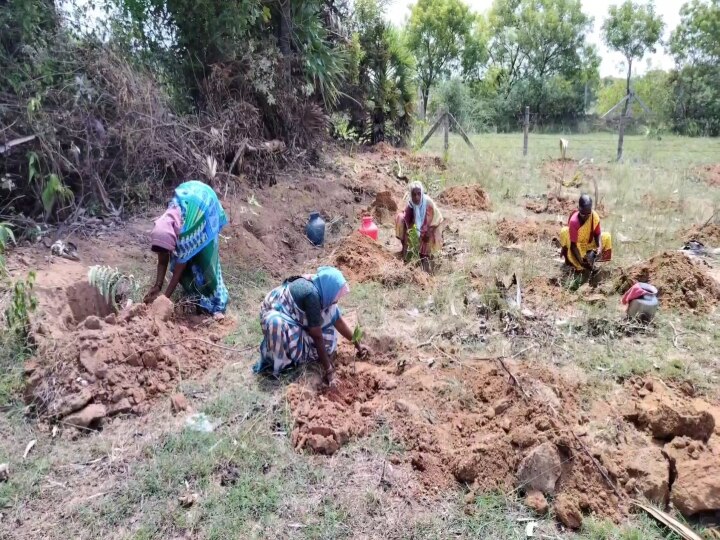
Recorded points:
(286, 341)
(586, 242)
(428, 219)
(198, 245)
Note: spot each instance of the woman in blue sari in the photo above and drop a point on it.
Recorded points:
(300, 321)
(186, 238)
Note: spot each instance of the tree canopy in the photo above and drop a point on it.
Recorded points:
(437, 33)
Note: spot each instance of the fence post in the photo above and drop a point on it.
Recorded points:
(526, 129)
(446, 130)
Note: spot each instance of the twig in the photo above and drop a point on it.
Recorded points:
(678, 334)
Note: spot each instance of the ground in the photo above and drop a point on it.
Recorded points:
(432, 436)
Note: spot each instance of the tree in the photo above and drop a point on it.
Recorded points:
(437, 33)
(379, 87)
(633, 30)
(695, 45)
(539, 56)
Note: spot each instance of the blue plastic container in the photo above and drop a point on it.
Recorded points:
(315, 229)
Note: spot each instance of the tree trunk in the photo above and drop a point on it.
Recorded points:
(623, 118)
(425, 95)
(285, 29)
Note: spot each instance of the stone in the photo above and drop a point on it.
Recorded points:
(90, 416)
(666, 420)
(121, 407)
(162, 308)
(524, 436)
(149, 360)
(651, 474)
(92, 364)
(697, 485)
(178, 403)
(567, 511)
(92, 323)
(537, 502)
(4, 472)
(74, 402)
(467, 469)
(111, 319)
(540, 469)
(134, 360)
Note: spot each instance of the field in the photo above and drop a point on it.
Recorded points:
(424, 439)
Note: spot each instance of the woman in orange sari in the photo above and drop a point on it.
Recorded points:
(582, 242)
(422, 213)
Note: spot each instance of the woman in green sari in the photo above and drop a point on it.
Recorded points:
(185, 238)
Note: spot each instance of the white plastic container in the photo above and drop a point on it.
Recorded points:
(645, 307)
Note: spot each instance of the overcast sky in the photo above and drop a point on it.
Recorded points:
(612, 63)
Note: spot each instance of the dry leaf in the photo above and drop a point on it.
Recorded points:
(28, 448)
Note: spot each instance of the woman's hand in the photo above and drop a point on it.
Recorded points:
(363, 351)
(152, 295)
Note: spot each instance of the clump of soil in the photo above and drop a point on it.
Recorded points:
(552, 204)
(112, 365)
(708, 234)
(711, 174)
(383, 208)
(471, 426)
(362, 259)
(682, 283)
(527, 230)
(466, 198)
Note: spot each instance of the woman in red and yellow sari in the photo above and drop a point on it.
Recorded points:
(582, 242)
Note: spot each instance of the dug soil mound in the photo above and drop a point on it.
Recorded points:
(101, 366)
(707, 234)
(682, 283)
(711, 174)
(467, 425)
(466, 198)
(553, 204)
(383, 208)
(361, 259)
(527, 230)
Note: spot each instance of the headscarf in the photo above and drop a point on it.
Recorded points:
(331, 285)
(167, 229)
(418, 209)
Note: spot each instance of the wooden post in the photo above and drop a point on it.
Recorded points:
(526, 129)
(432, 130)
(446, 131)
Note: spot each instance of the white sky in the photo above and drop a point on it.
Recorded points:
(612, 63)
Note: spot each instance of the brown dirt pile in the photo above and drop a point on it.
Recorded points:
(469, 425)
(711, 174)
(383, 208)
(362, 259)
(112, 365)
(682, 283)
(708, 234)
(466, 198)
(527, 230)
(553, 204)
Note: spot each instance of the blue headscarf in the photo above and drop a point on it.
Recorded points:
(418, 209)
(329, 282)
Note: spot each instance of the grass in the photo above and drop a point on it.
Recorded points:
(250, 481)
